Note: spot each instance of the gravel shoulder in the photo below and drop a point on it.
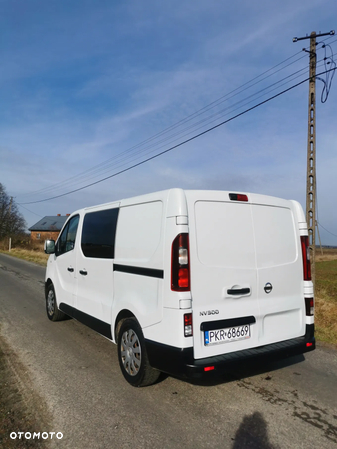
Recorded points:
(21, 407)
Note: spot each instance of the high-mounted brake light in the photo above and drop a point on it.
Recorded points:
(188, 327)
(306, 258)
(180, 268)
(238, 197)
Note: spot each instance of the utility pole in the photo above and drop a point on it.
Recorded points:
(9, 218)
(311, 148)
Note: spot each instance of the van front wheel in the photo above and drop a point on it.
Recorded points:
(53, 313)
(132, 356)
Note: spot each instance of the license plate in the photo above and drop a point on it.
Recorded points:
(226, 335)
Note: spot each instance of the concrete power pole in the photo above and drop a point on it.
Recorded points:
(311, 149)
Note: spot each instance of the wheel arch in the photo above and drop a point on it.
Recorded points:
(122, 315)
(47, 283)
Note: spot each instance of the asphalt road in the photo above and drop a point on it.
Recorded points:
(72, 376)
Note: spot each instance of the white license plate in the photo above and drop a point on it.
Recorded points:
(226, 335)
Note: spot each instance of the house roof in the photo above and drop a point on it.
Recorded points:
(49, 224)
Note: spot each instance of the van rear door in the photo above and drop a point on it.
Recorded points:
(245, 272)
(279, 269)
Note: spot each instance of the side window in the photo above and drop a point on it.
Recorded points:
(66, 241)
(98, 234)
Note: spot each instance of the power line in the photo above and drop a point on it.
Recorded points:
(175, 146)
(326, 229)
(29, 210)
(126, 154)
(120, 161)
(317, 215)
(153, 144)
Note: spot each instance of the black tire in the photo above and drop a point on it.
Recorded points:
(132, 355)
(53, 312)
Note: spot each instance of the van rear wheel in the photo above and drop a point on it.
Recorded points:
(53, 313)
(132, 355)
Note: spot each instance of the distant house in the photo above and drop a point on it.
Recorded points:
(47, 228)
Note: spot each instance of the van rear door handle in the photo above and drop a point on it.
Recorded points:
(83, 272)
(238, 291)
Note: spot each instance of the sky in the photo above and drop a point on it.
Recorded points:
(91, 88)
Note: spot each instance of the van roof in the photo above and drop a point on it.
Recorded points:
(178, 196)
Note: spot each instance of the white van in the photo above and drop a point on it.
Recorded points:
(186, 282)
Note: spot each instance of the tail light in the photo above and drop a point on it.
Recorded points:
(306, 258)
(309, 302)
(180, 268)
(188, 328)
(309, 306)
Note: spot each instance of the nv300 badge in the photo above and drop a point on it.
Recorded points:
(209, 312)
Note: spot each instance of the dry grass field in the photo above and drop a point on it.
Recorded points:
(32, 255)
(33, 252)
(326, 297)
(326, 254)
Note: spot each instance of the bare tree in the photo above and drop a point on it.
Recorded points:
(11, 221)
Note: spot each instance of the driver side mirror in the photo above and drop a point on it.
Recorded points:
(49, 246)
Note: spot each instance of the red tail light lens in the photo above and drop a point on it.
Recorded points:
(188, 328)
(183, 278)
(180, 268)
(306, 258)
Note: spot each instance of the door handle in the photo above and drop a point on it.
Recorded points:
(83, 272)
(238, 291)
(70, 269)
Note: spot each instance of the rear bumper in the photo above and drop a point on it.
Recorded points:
(180, 361)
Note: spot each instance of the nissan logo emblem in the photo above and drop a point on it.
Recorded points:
(268, 287)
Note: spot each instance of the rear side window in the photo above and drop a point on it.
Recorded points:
(98, 234)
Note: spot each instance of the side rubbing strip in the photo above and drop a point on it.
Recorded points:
(94, 323)
(141, 271)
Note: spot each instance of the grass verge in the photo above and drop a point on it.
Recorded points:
(32, 255)
(15, 414)
(326, 301)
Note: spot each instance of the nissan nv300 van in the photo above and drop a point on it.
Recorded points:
(186, 282)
